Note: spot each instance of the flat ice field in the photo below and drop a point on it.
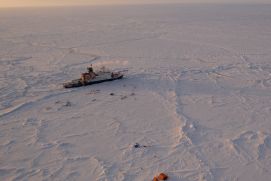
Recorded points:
(196, 99)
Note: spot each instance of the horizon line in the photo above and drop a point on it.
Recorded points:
(135, 4)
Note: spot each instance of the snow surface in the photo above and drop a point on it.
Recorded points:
(196, 99)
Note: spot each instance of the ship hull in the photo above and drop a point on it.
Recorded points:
(78, 83)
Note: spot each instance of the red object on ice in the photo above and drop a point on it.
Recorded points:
(162, 176)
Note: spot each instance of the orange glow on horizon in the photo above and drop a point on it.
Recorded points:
(27, 3)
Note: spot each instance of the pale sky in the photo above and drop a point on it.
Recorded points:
(19, 3)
